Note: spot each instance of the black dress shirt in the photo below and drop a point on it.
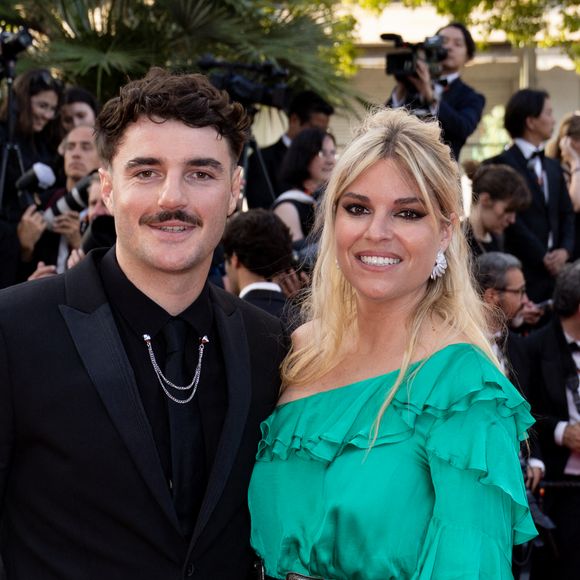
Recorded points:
(136, 315)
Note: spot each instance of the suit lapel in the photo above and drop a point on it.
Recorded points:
(90, 321)
(236, 354)
(520, 162)
(557, 365)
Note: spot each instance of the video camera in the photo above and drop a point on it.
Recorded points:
(402, 61)
(11, 44)
(265, 87)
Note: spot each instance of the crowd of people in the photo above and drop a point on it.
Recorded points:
(206, 343)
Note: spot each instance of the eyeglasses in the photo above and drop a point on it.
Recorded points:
(521, 291)
(327, 154)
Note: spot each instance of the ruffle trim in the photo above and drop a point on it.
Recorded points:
(479, 555)
(451, 381)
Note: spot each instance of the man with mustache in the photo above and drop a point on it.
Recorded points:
(131, 390)
(503, 287)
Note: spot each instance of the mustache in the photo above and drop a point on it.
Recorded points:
(167, 216)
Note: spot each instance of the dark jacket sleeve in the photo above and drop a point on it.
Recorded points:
(567, 218)
(6, 421)
(460, 119)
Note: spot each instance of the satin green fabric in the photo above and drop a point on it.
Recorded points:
(439, 495)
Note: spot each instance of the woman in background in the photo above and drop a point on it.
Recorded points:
(566, 149)
(306, 169)
(36, 97)
(498, 192)
(393, 453)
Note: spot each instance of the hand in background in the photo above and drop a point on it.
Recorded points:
(29, 230)
(75, 257)
(569, 154)
(68, 224)
(571, 437)
(533, 477)
(555, 260)
(42, 271)
(291, 282)
(422, 82)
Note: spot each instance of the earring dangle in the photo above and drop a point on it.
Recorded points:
(440, 265)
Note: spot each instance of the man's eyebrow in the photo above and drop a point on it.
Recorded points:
(139, 161)
(194, 162)
(205, 162)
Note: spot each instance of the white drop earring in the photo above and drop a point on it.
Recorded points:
(440, 265)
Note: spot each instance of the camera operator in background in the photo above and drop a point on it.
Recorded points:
(457, 106)
(36, 96)
(47, 237)
(307, 110)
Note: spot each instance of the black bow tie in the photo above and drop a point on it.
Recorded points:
(538, 153)
(442, 82)
(573, 346)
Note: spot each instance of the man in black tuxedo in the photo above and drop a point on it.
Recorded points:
(502, 285)
(306, 110)
(457, 106)
(542, 236)
(555, 359)
(131, 390)
(257, 246)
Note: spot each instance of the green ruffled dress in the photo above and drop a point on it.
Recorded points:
(439, 496)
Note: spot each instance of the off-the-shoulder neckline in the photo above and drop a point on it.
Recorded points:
(375, 377)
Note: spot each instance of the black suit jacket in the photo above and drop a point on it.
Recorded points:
(82, 491)
(519, 375)
(551, 364)
(460, 111)
(271, 301)
(528, 237)
(257, 192)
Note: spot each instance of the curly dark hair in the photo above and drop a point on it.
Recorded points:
(261, 241)
(160, 96)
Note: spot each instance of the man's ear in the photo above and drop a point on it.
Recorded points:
(234, 261)
(107, 188)
(236, 189)
(485, 199)
(491, 296)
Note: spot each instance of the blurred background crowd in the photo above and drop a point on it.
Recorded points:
(518, 144)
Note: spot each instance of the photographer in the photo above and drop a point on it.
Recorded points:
(47, 237)
(36, 96)
(457, 106)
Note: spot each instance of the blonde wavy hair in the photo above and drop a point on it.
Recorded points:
(331, 306)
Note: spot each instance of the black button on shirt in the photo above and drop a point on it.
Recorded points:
(136, 315)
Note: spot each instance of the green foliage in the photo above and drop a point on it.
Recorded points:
(100, 43)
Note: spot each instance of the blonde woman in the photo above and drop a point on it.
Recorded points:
(393, 452)
(566, 149)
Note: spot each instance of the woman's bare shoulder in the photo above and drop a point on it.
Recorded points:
(301, 334)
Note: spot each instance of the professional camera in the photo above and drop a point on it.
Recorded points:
(402, 61)
(262, 86)
(41, 176)
(11, 44)
(76, 199)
